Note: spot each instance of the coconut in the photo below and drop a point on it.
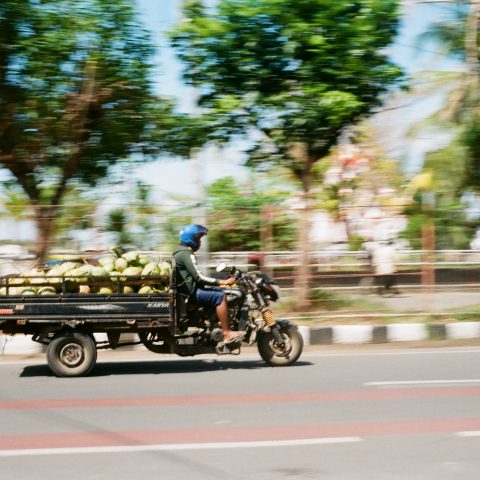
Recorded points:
(66, 267)
(105, 291)
(109, 267)
(143, 261)
(146, 289)
(28, 291)
(120, 264)
(86, 269)
(54, 275)
(132, 271)
(3, 291)
(151, 269)
(47, 291)
(131, 258)
(84, 289)
(128, 289)
(98, 272)
(165, 268)
(106, 261)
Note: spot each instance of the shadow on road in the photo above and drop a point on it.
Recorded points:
(160, 367)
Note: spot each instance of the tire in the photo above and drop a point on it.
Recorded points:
(153, 342)
(273, 354)
(71, 355)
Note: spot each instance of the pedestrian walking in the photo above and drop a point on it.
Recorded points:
(384, 263)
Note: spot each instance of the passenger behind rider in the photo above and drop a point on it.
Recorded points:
(191, 281)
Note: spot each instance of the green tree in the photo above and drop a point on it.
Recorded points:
(299, 71)
(75, 97)
(453, 228)
(458, 33)
(236, 217)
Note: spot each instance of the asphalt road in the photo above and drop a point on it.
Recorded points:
(361, 413)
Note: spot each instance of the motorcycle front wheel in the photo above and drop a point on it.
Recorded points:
(277, 355)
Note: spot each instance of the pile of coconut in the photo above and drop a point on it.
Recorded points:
(127, 273)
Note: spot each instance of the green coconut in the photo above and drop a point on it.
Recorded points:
(66, 267)
(98, 272)
(35, 276)
(132, 271)
(3, 291)
(105, 291)
(28, 291)
(131, 257)
(146, 289)
(109, 267)
(128, 289)
(165, 268)
(144, 261)
(17, 281)
(46, 291)
(106, 260)
(151, 269)
(120, 264)
(54, 275)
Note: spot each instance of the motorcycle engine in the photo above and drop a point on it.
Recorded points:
(216, 335)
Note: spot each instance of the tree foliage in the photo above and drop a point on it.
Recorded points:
(299, 71)
(75, 96)
(237, 214)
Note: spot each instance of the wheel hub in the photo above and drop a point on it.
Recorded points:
(279, 350)
(71, 355)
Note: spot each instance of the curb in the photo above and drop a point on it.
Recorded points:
(319, 335)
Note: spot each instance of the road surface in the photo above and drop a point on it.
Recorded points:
(369, 413)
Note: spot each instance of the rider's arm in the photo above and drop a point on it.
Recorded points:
(196, 273)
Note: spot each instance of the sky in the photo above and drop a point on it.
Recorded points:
(182, 177)
(178, 176)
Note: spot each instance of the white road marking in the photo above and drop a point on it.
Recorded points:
(421, 382)
(468, 434)
(180, 446)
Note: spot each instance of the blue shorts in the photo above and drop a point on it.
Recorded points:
(209, 298)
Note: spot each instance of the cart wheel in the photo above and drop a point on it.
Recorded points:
(71, 354)
(154, 342)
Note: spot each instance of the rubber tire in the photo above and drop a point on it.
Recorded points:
(149, 345)
(265, 341)
(85, 346)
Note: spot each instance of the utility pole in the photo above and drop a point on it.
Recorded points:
(428, 247)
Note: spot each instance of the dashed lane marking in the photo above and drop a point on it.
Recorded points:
(171, 447)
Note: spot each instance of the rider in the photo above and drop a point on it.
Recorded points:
(190, 280)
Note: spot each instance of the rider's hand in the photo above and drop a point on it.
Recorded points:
(228, 281)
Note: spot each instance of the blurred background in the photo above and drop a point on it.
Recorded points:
(312, 133)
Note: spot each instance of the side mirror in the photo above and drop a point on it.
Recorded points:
(221, 267)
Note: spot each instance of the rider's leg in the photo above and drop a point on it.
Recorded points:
(216, 298)
(222, 314)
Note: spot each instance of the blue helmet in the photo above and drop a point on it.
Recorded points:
(190, 235)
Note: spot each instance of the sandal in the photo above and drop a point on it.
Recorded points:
(234, 337)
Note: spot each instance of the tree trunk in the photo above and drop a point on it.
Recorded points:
(303, 275)
(45, 216)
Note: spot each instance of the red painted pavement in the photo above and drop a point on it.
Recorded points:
(269, 398)
(236, 434)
